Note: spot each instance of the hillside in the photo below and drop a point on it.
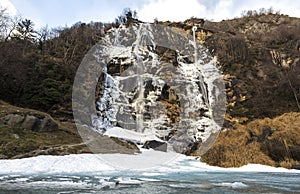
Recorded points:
(259, 56)
(27, 132)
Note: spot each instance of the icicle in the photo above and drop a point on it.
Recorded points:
(194, 29)
(202, 85)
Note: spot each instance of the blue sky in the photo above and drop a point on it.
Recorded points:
(67, 12)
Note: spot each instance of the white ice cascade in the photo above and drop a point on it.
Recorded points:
(122, 98)
(144, 98)
(202, 86)
(143, 32)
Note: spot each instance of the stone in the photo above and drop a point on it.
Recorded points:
(16, 136)
(100, 144)
(193, 148)
(48, 124)
(126, 144)
(275, 149)
(294, 152)
(156, 145)
(13, 119)
(265, 134)
(296, 166)
(30, 122)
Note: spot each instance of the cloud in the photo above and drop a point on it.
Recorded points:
(178, 10)
(216, 10)
(57, 13)
(175, 10)
(67, 12)
(8, 6)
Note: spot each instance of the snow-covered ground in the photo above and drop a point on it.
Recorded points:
(91, 173)
(149, 162)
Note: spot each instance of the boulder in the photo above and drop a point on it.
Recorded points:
(278, 151)
(295, 152)
(126, 144)
(156, 145)
(275, 149)
(296, 166)
(47, 124)
(13, 119)
(30, 122)
(193, 149)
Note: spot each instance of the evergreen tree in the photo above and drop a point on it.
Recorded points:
(25, 30)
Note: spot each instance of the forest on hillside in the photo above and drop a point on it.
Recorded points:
(38, 65)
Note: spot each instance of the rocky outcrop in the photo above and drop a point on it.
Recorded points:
(27, 132)
(282, 59)
(29, 122)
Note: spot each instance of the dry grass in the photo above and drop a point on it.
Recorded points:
(235, 148)
(232, 150)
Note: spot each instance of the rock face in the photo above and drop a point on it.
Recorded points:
(156, 82)
(29, 122)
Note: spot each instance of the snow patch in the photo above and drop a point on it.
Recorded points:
(94, 163)
(130, 135)
(233, 185)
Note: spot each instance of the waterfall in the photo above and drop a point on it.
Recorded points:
(202, 83)
(157, 85)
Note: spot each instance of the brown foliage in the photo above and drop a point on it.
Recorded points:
(248, 144)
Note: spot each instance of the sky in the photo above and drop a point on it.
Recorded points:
(60, 13)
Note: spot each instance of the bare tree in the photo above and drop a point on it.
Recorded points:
(42, 35)
(3, 23)
(8, 24)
